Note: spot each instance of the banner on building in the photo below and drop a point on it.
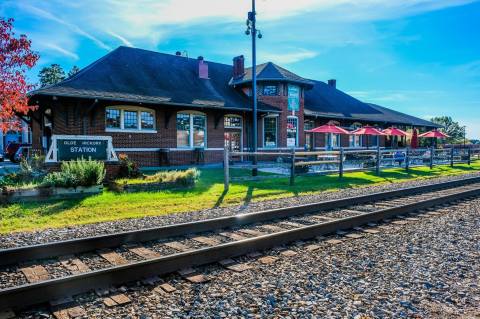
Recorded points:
(293, 97)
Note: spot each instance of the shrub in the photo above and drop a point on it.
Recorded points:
(128, 168)
(31, 172)
(185, 178)
(75, 173)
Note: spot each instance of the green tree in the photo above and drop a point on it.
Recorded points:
(51, 75)
(451, 128)
(74, 70)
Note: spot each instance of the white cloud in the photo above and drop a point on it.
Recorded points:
(286, 58)
(62, 51)
(122, 39)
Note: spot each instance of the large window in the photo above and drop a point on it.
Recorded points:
(355, 140)
(270, 131)
(308, 125)
(269, 90)
(191, 130)
(292, 131)
(332, 140)
(129, 118)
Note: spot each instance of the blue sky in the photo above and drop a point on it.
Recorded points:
(421, 57)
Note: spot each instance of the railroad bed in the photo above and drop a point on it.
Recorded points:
(36, 274)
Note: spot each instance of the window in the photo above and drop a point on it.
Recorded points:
(191, 130)
(147, 120)
(355, 140)
(232, 121)
(332, 140)
(308, 125)
(269, 90)
(292, 131)
(129, 118)
(112, 118)
(270, 131)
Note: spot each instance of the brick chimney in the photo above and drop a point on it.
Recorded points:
(238, 66)
(202, 68)
(332, 83)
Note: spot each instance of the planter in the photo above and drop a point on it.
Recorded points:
(149, 187)
(42, 193)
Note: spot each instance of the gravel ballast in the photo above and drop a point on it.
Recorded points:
(48, 235)
(426, 268)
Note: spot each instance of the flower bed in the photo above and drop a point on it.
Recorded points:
(160, 181)
(13, 195)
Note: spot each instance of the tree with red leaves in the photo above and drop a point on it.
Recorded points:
(16, 57)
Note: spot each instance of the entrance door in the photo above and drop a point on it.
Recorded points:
(233, 140)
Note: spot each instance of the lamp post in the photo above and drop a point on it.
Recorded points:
(252, 30)
(464, 136)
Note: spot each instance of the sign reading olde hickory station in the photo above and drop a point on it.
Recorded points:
(69, 149)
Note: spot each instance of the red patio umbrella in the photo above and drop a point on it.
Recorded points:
(367, 130)
(393, 131)
(414, 141)
(434, 134)
(329, 128)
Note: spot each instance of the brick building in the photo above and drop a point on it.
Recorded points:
(162, 108)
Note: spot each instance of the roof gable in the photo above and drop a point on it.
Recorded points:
(270, 72)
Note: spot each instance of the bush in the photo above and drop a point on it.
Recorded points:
(185, 178)
(75, 173)
(128, 168)
(31, 172)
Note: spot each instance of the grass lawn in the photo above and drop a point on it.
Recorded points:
(207, 193)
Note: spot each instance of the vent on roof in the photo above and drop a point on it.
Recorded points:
(238, 66)
(332, 83)
(202, 68)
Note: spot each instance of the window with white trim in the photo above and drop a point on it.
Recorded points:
(191, 130)
(332, 140)
(129, 118)
(270, 131)
(355, 140)
(292, 131)
(308, 125)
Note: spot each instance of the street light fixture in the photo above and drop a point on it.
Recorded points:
(254, 33)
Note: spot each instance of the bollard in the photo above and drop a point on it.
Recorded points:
(340, 164)
(407, 159)
(469, 152)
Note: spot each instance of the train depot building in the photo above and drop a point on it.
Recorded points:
(163, 109)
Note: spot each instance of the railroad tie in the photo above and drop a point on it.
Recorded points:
(116, 300)
(292, 224)
(74, 265)
(206, 240)
(273, 228)
(112, 257)
(177, 246)
(71, 312)
(35, 273)
(233, 236)
(144, 252)
(252, 232)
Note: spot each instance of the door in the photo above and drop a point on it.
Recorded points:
(233, 140)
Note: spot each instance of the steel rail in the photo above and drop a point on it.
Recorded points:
(36, 293)
(81, 245)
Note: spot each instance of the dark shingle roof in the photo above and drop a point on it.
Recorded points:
(326, 101)
(270, 72)
(136, 75)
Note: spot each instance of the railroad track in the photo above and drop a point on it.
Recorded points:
(36, 274)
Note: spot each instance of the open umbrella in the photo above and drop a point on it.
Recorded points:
(393, 131)
(329, 129)
(367, 130)
(434, 134)
(414, 141)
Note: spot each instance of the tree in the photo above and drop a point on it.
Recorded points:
(74, 70)
(451, 128)
(51, 75)
(16, 57)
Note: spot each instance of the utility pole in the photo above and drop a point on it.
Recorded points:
(252, 30)
(464, 136)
